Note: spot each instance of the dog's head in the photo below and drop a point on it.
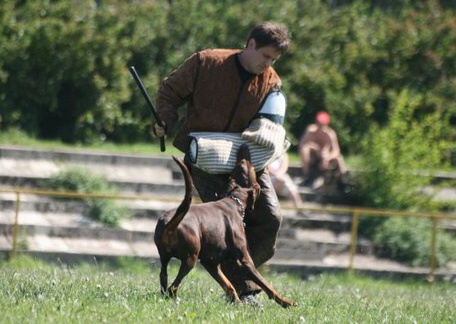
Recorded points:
(244, 176)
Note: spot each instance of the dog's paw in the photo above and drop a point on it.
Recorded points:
(171, 292)
(286, 302)
(251, 300)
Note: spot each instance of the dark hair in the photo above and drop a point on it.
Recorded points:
(269, 33)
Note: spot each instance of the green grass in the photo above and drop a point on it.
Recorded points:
(19, 138)
(34, 292)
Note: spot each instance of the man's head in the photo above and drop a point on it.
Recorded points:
(265, 44)
(270, 34)
(322, 118)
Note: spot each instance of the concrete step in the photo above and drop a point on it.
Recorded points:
(70, 238)
(29, 163)
(307, 240)
(82, 157)
(13, 172)
(76, 225)
(83, 247)
(295, 171)
(40, 205)
(322, 220)
(65, 220)
(90, 239)
(69, 252)
(173, 187)
(33, 208)
(24, 167)
(25, 161)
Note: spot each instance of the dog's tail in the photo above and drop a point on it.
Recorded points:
(186, 202)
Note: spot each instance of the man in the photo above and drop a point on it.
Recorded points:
(223, 90)
(319, 150)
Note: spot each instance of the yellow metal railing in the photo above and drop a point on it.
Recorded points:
(355, 212)
(66, 194)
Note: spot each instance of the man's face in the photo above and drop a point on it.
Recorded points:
(258, 60)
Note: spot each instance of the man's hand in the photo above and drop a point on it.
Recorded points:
(158, 130)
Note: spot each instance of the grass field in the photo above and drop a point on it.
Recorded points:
(16, 137)
(34, 292)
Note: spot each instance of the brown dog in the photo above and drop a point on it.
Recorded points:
(212, 232)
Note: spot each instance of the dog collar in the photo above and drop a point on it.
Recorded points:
(239, 202)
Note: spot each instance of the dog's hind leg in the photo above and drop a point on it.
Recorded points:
(164, 260)
(185, 267)
(216, 273)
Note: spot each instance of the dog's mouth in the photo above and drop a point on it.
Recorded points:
(244, 177)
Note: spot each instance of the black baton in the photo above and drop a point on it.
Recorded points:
(149, 102)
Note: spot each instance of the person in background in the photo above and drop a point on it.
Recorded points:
(283, 183)
(223, 90)
(320, 153)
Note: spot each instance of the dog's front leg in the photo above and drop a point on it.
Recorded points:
(250, 270)
(216, 272)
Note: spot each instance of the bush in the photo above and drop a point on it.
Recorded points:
(82, 181)
(106, 211)
(401, 158)
(409, 240)
(399, 161)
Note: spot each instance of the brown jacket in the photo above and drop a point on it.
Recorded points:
(210, 83)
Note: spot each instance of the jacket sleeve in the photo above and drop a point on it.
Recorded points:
(176, 89)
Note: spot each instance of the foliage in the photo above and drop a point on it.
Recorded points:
(106, 211)
(99, 293)
(64, 71)
(408, 240)
(82, 180)
(24, 262)
(69, 64)
(395, 155)
(399, 159)
(78, 180)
